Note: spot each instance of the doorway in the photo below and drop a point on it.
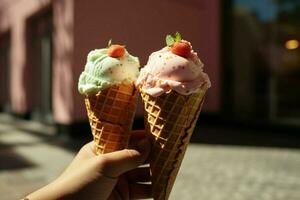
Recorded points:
(40, 63)
(5, 72)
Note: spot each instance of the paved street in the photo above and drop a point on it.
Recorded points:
(30, 156)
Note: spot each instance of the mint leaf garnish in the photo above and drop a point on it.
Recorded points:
(170, 40)
(177, 37)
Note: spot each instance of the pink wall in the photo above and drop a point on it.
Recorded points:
(63, 63)
(80, 26)
(142, 26)
(13, 18)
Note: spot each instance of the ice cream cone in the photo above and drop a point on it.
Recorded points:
(111, 114)
(170, 120)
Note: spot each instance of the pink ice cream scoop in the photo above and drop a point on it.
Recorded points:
(166, 71)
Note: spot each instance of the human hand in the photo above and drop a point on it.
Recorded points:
(108, 176)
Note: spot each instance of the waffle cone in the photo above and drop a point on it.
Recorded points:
(170, 120)
(111, 114)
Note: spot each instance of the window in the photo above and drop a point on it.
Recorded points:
(39, 47)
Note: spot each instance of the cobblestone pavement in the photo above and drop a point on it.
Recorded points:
(30, 158)
(238, 173)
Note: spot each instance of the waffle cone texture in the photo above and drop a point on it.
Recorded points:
(170, 120)
(111, 114)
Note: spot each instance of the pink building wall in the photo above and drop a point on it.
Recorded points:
(13, 19)
(63, 63)
(80, 26)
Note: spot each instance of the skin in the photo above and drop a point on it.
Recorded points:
(113, 176)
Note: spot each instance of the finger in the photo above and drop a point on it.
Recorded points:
(141, 174)
(115, 195)
(136, 136)
(148, 159)
(140, 191)
(118, 162)
(88, 150)
(122, 188)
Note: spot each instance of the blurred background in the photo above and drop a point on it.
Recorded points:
(246, 143)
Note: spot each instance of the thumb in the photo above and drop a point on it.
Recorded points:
(116, 163)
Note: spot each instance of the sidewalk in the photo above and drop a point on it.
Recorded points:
(31, 156)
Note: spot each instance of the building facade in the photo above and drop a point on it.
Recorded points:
(254, 75)
(46, 43)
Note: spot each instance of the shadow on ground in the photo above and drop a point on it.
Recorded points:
(10, 160)
(206, 132)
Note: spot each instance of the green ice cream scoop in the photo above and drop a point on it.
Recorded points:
(102, 71)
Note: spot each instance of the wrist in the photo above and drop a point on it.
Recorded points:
(51, 191)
